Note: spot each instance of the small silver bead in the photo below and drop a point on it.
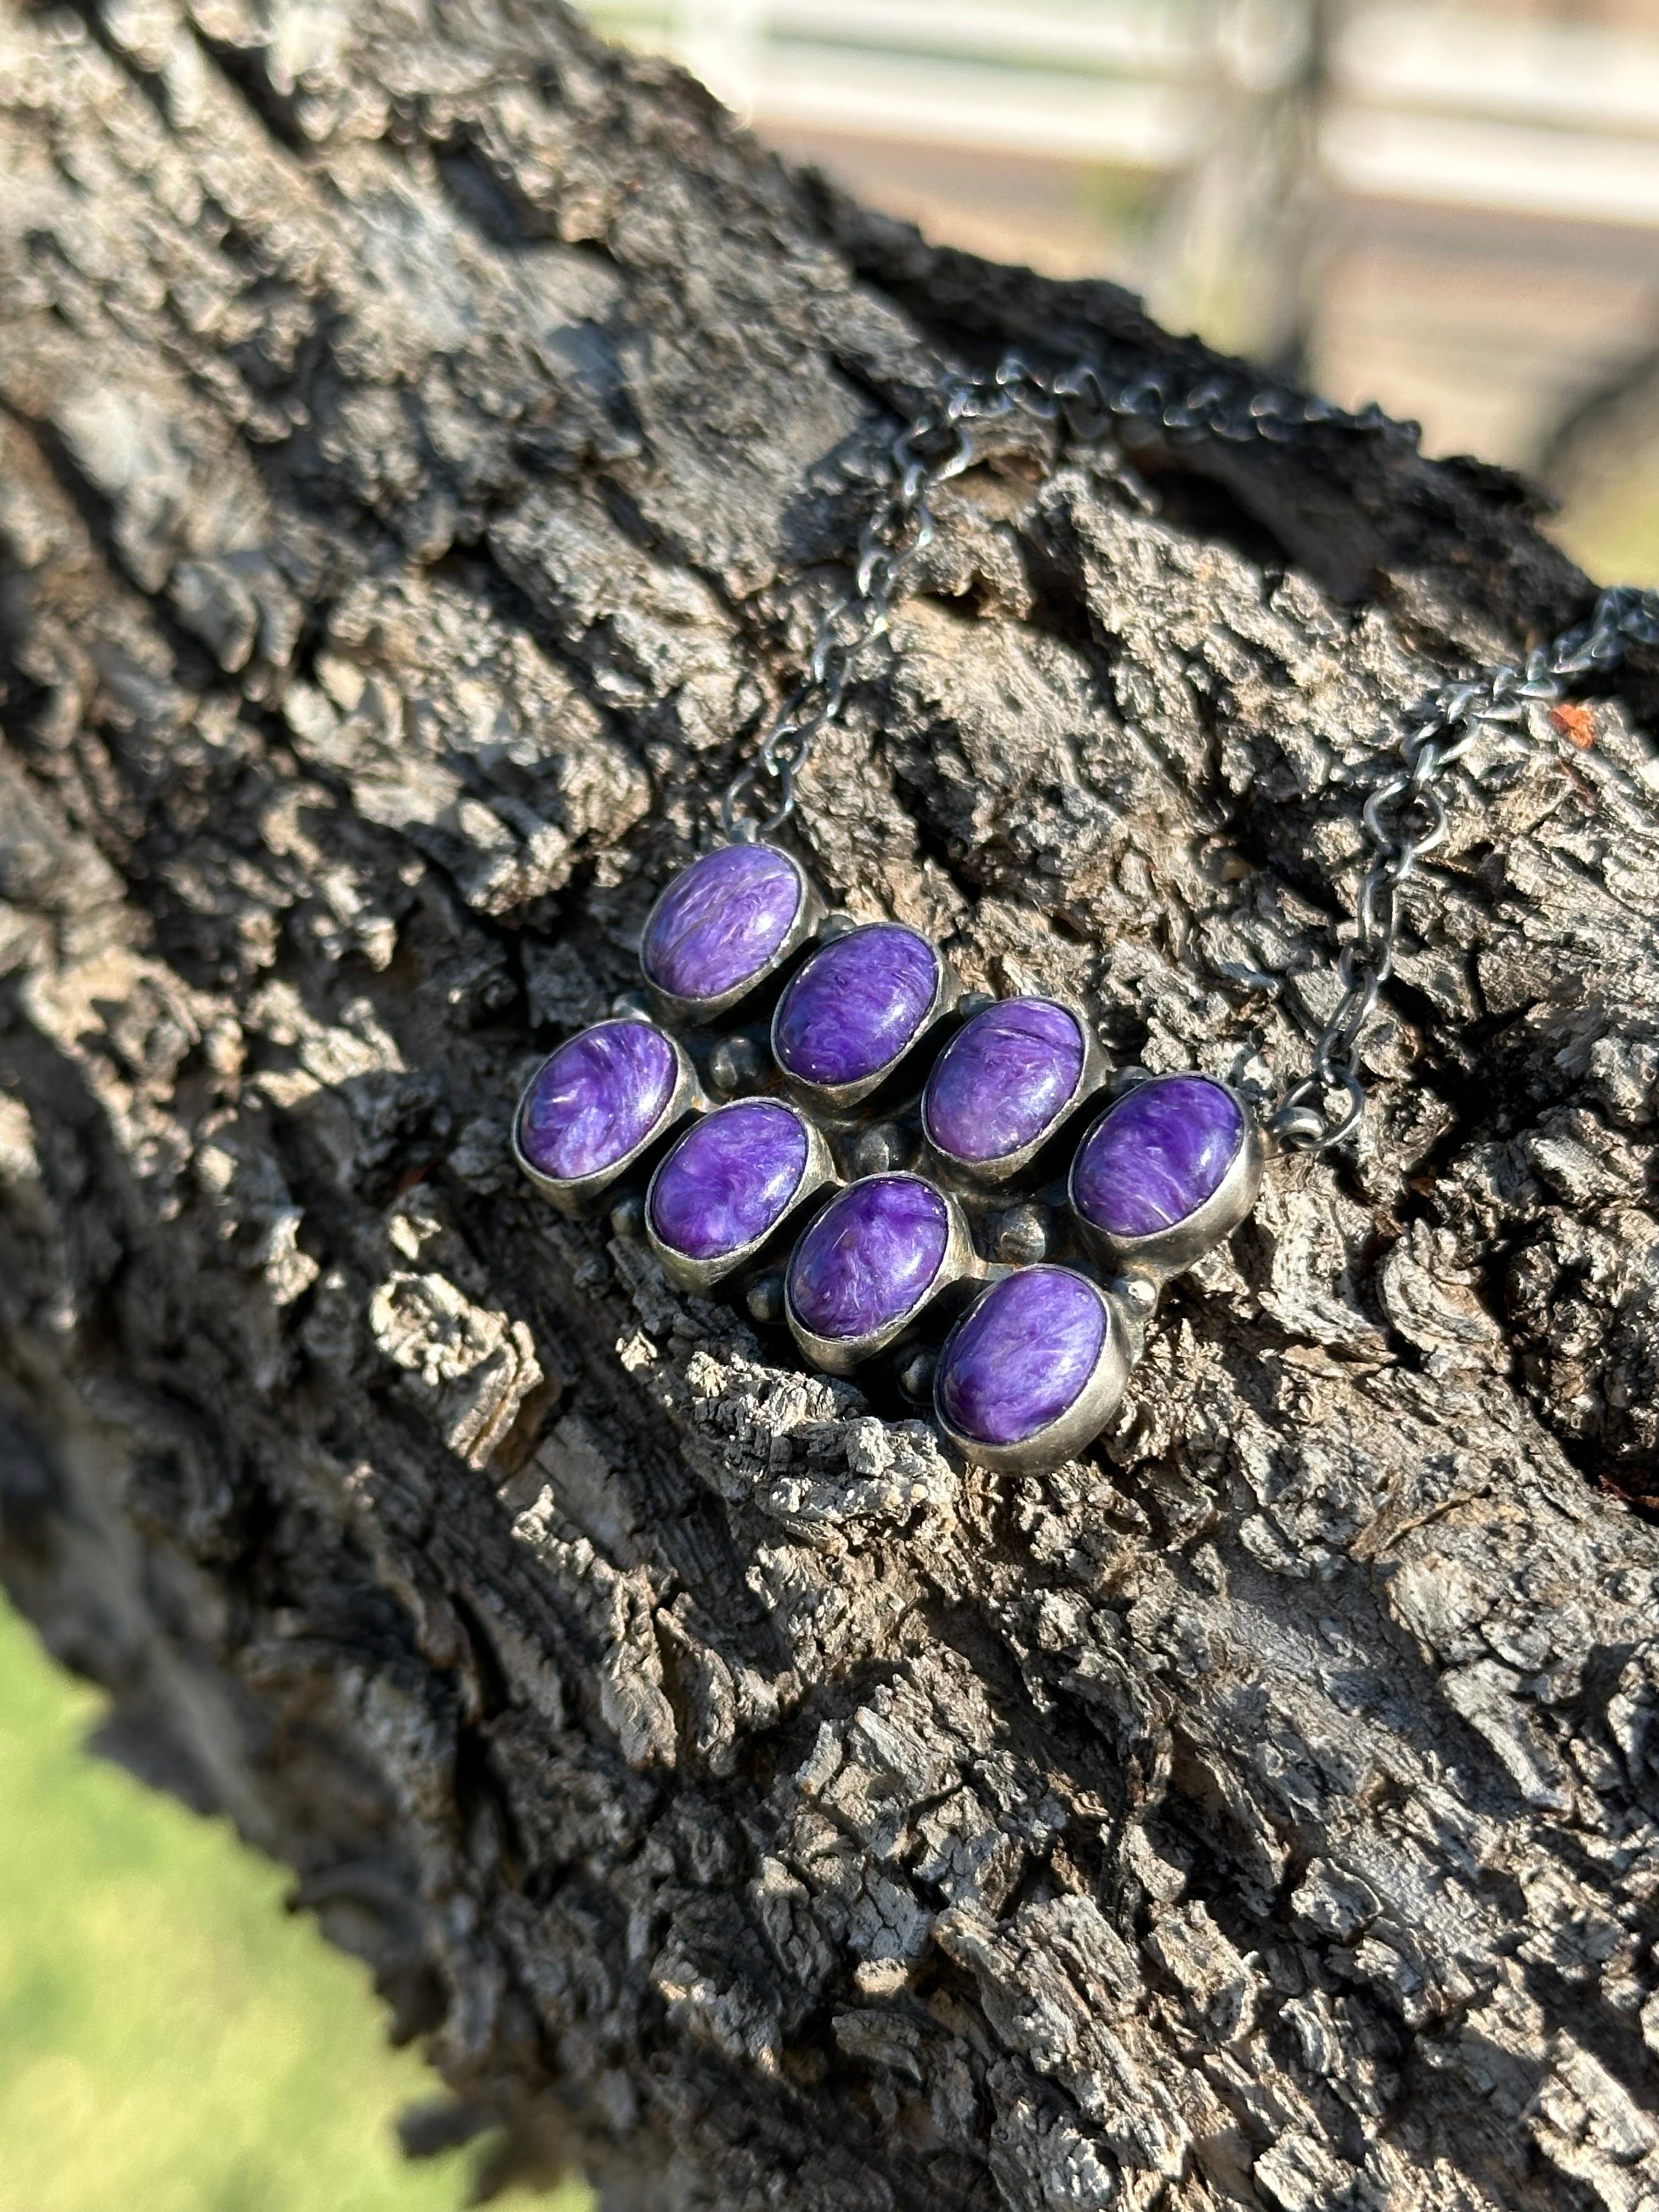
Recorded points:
(1138, 1291)
(1020, 1235)
(628, 1218)
(877, 1150)
(733, 1065)
(915, 1377)
(631, 1006)
(765, 1298)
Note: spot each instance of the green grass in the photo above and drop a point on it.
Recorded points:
(171, 2040)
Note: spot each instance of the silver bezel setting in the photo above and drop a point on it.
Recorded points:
(958, 1261)
(1090, 1076)
(1124, 1274)
(579, 1195)
(697, 1012)
(817, 1169)
(834, 1098)
(1166, 1252)
(1082, 1421)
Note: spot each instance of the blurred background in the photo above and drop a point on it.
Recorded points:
(171, 2039)
(1453, 210)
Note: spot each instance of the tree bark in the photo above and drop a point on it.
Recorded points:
(425, 438)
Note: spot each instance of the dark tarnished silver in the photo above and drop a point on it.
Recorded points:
(1404, 816)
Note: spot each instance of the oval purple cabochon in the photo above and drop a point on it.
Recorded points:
(856, 1005)
(1021, 1356)
(870, 1255)
(720, 921)
(1154, 1157)
(596, 1098)
(1003, 1079)
(729, 1180)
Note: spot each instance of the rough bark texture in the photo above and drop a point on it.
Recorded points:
(425, 437)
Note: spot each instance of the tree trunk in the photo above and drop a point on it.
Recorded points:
(426, 438)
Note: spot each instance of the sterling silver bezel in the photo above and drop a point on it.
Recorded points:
(817, 1169)
(834, 1098)
(958, 1261)
(1166, 1252)
(579, 1196)
(1077, 1427)
(1090, 1076)
(698, 1012)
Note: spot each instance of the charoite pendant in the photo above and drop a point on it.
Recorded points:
(964, 1187)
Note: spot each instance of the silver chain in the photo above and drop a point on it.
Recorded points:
(898, 527)
(1405, 816)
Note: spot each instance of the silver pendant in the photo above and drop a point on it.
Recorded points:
(975, 1115)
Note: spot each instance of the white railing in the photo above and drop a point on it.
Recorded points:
(1427, 103)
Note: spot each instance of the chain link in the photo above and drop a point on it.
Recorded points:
(938, 444)
(1405, 816)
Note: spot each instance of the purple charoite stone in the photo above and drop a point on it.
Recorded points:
(596, 1099)
(1002, 1081)
(720, 921)
(1155, 1157)
(729, 1180)
(1021, 1356)
(871, 1256)
(856, 1005)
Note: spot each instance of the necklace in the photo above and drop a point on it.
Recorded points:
(963, 1187)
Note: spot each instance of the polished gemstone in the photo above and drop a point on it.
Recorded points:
(1003, 1080)
(856, 1005)
(1022, 1357)
(721, 922)
(1155, 1157)
(597, 1099)
(870, 1258)
(729, 1180)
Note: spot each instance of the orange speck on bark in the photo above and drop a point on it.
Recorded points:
(1576, 725)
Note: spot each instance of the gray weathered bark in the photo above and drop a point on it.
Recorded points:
(424, 438)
